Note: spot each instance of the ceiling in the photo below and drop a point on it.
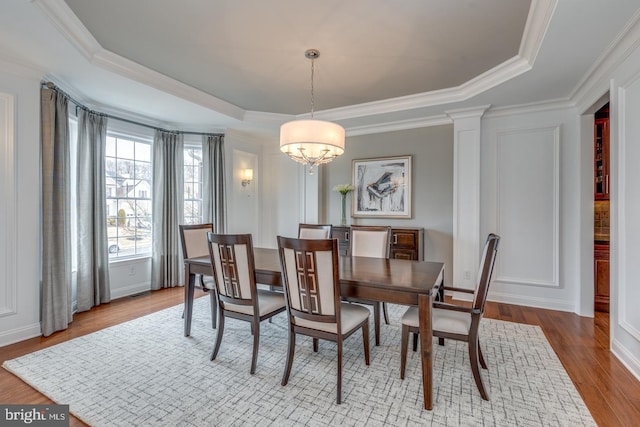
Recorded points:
(215, 65)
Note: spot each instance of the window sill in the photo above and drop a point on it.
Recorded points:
(129, 260)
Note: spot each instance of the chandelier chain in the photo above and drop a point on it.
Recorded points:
(312, 72)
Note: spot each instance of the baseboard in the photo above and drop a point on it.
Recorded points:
(20, 334)
(526, 301)
(130, 290)
(629, 360)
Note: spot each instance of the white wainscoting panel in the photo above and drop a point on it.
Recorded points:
(8, 226)
(527, 206)
(629, 210)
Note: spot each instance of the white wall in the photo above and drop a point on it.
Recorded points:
(19, 216)
(625, 212)
(432, 174)
(529, 196)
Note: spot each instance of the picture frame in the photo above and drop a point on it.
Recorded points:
(382, 187)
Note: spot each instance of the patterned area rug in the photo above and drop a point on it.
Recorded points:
(146, 373)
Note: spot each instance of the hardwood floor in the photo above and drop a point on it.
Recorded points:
(611, 393)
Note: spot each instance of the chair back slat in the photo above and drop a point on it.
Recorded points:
(233, 267)
(485, 271)
(310, 275)
(194, 239)
(370, 241)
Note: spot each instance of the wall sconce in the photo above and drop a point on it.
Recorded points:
(247, 176)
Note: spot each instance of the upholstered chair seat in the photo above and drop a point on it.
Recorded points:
(453, 322)
(352, 316)
(268, 302)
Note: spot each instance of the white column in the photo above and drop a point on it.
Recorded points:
(466, 194)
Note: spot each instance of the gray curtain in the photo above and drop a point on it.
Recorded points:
(214, 205)
(56, 308)
(93, 260)
(168, 201)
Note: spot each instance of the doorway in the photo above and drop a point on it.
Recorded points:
(601, 209)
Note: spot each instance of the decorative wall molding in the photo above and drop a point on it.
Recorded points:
(551, 137)
(399, 125)
(8, 217)
(628, 359)
(624, 190)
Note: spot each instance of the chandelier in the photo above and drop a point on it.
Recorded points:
(312, 142)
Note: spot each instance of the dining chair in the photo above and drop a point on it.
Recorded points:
(372, 242)
(458, 322)
(193, 238)
(314, 231)
(238, 296)
(312, 291)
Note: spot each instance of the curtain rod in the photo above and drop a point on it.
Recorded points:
(52, 86)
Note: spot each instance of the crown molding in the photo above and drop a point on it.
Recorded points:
(141, 74)
(71, 27)
(534, 107)
(73, 30)
(467, 113)
(596, 80)
(536, 27)
(20, 66)
(398, 125)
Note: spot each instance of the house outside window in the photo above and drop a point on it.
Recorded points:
(192, 185)
(128, 189)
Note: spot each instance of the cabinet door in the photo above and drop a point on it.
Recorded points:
(601, 159)
(406, 243)
(404, 254)
(601, 277)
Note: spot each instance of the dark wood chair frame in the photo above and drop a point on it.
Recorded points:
(376, 304)
(226, 242)
(310, 247)
(475, 311)
(185, 254)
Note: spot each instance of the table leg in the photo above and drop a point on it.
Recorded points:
(189, 287)
(424, 315)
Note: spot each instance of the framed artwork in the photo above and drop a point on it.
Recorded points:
(382, 187)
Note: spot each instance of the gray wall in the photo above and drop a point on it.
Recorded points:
(432, 193)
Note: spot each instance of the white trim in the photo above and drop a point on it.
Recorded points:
(529, 301)
(126, 291)
(8, 278)
(596, 81)
(538, 19)
(20, 334)
(621, 184)
(628, 359)
(422, 122)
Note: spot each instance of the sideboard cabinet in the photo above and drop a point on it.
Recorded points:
(406, 243)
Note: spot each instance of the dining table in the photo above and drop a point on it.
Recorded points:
(395, 281)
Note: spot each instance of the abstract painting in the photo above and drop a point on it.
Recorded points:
(382, 187)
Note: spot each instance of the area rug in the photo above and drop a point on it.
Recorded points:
(146, 373)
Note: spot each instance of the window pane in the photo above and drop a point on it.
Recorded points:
(128, 192)
(143, 151)
(125, 149)
(111, 147)
(192, 185)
